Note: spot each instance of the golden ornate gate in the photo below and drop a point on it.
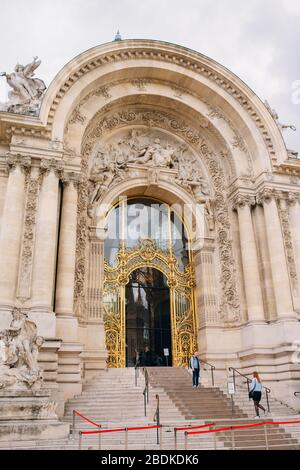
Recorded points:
(181, 284)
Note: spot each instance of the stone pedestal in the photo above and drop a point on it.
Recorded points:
(27, 415)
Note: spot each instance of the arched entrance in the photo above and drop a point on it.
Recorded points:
(148, 319)
(148, 295)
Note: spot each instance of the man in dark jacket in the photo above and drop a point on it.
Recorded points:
(195, 366)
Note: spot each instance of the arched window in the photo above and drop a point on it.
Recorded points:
(143, 218)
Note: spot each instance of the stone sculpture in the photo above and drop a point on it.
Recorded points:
(190, 178)
(275, 116)
(27, 91)
(19, 363)
(112, 165)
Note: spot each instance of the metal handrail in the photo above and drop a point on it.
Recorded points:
(137, 374)
(212, 369)
(267, 390)
(157, 418)
(146, 390)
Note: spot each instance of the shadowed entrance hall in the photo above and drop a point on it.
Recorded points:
(148, 320)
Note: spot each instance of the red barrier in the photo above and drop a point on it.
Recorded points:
(143, 428)
(232, 428)
(194, 427)
(103, 431)
(86, 419)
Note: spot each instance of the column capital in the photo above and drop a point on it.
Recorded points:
(98, 234)
(73, 178)
(13, 161)
(241, 200)
(48, 165)
(293, 198)
(266, 195)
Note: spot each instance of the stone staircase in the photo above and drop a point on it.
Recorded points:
(278, 409)
(213, 404)
(114, 400)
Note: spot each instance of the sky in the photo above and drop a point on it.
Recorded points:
(259, 40)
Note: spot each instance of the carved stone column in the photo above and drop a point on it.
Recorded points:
(96, 273)
(96, 354)
(279, 268)
(255, 305)
(46, 239)
(206, 291)
(64, 304)
(294, 213)
(11, 233)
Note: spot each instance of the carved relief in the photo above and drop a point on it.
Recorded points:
(77, 117)
(229, 310)
(283, 210)
(238, 141)
(25, 273)
(140, 83)
(112, 164)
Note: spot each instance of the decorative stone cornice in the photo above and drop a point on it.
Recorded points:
(14, 161)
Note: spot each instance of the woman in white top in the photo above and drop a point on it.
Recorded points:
(255, 393)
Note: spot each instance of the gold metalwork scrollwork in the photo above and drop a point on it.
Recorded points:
(183, 316)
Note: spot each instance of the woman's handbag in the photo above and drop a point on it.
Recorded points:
(251, 392)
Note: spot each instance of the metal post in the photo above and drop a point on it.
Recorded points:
(212, 377)
(233, 376)
(99, 438)
(175, 438)
(248, 389)
(232, 406)
(126, 438)
(157, 418)
(267, 397)
(186, 440)
(215, 440)
(80, 441)
(266, 437)
(232, 439)
(160, 437)
(73, 424)
(145, 403)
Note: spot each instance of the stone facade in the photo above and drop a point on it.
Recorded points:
(207, 140)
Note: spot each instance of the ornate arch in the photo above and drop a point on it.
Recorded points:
(229, 306)
(199, 74)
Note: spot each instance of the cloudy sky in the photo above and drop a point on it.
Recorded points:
(258, 39)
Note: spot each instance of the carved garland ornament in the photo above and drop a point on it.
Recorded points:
(229, 309)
